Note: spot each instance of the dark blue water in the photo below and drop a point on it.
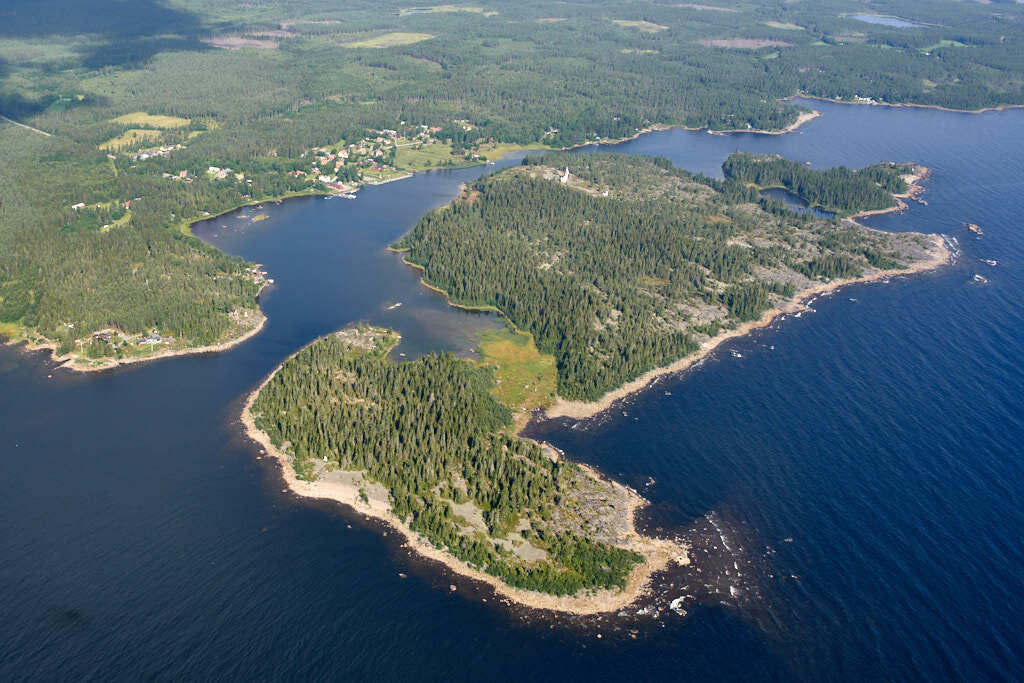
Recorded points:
(794, 203)
(862, 462)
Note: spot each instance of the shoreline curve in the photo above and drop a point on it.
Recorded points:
(581, 410)
(75, 365)
(912, 105)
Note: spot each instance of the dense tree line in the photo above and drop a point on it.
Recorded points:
(430, 431)
(839, 190)
(615, 285)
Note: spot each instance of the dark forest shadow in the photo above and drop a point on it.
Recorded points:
(123, 32)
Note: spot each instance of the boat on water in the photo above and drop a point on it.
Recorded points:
(980, 279)
(349, 195)
(974, 227)
(990, 261)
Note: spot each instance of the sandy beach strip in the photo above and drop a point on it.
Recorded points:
(584, 409)
(801, 119)
(983, 110)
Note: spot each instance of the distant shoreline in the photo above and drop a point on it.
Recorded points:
(802, 118)
(1002, 107)
(106, 363)
(658, 553)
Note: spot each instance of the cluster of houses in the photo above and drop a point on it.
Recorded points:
(180, 175)
(81, 205)
(373, 153)
(370, 154)
(225, 173)
(116, 338)
(258, 275)
(162, 151)
(151, 339)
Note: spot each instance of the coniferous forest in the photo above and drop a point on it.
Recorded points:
(630, 264)
(838, 190)
(431, 432)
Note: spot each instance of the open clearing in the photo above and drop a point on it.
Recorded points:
(141, 118)
(392, 40)
(942, 43)
(744, 43)
(446, 8)
(132, 136)
(10, 330)
(706, 8)
(784, 26)
(237, 43)
(426, 155)
(526, 379)
(646, 26)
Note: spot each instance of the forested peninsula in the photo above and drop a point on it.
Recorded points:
(121, 125)
(621, 265)
(426, 446)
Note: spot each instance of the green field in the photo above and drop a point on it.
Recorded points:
(646, 26)
(942, 43)
(418, 157)
(406, 11)
(783, 26)
(395, 39)
(141, 118)
(130, 138)
(526, 379)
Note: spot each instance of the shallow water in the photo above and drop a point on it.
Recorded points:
(858, 466)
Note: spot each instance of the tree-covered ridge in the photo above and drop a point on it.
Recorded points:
(432, 434)
(632, 262)
(839, 190)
